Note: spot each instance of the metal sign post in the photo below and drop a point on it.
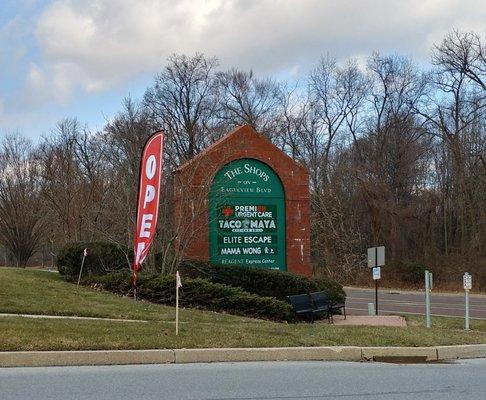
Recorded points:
(376, 277)
(467, 283)
(376, 259)
(428, 288)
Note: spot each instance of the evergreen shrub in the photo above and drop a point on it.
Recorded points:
(196, 293)
(102, 258)
(263, 282)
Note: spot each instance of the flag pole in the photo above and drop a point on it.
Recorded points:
(150, 176)
(134, 283)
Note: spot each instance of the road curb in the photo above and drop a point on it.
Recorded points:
(75, 358)
(382, 353)
(464, 351)
(325, 353)
(334, 353)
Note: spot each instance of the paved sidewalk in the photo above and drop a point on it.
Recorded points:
(378, 320)
(69, 317)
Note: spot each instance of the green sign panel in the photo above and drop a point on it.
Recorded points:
(247, 216)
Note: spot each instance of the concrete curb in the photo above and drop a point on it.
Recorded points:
(381, 353)
(464, 351)
(72, 358)
(335, 353)
(327, 353)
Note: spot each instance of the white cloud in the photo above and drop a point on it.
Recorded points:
(36, 79)
(96, 44)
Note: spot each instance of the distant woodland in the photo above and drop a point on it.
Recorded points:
(396, 155)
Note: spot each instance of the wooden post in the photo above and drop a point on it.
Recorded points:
(81, 269)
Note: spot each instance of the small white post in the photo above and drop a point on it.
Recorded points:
(427, 298)
(467, 283)
(178, 285)
(85, 253)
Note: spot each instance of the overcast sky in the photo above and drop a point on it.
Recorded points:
(66, 58)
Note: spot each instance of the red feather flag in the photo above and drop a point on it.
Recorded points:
(148, 200)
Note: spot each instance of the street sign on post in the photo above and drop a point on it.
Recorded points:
(431, 280)
(467, 283)
(376, 259)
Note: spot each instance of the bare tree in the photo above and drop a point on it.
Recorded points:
(73, 184)
(455, 116)
(464, 53)
(182, 101)
(397, 89)
(317, 128)
(21, 217)
(246, 99)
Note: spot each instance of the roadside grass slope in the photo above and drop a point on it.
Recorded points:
(41, 292)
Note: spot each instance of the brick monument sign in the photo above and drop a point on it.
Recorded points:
(243, 201)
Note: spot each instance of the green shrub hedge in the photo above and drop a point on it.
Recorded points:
(197, 293)
(102, 258)
(269, 283)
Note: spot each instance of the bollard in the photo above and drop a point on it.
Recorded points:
(371, 309)
(467, 283)
(428, 280)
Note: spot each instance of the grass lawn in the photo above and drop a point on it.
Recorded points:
(39, 292)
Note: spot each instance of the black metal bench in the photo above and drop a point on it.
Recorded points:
(304, 307)
(322, 302)
(316, 304)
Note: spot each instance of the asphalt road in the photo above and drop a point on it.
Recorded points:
(394, 302)
(245, 381)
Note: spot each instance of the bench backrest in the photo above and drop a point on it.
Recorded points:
(320, 299)
(300, 302)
